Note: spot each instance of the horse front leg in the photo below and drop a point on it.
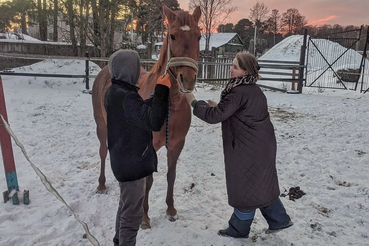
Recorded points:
(172, 156)
(146, 219)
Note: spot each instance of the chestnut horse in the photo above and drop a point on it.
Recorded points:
(178, 56)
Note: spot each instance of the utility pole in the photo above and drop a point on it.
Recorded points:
(256, 26)
(132, 29)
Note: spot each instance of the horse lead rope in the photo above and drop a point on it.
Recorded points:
(176, 62)
(167, 126)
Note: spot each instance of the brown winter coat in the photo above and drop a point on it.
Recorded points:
(249, 146)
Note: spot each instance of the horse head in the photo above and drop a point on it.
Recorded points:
(182, 47)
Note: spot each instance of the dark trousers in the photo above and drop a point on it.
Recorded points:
(241, 220)
(130, 212)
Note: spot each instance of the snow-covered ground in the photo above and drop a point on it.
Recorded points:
(322, 137)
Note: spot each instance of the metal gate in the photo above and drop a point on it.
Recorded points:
(338, 61)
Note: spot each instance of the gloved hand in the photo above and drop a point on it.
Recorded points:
(164, 81)
(190, 98)
(212, 103)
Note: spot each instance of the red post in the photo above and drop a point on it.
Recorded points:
(6, 148)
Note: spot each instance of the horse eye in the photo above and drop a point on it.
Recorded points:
(172, 37)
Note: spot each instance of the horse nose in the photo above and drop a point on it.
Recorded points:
(187, 79)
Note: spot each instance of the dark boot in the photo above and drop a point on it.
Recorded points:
(116, 242)
(276, 216)
(237, 228)
(275, 230)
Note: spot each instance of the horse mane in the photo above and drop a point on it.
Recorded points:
(157, 68)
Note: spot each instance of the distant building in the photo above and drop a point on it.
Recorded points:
(64, 29)
(223, 43)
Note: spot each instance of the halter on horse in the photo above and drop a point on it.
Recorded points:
(177, 62)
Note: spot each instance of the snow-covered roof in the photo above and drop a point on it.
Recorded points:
(9, 36)
(217, 39)
(141, 47)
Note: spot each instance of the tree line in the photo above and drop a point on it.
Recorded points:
(96, 22)
(270, 27)
(90, 21)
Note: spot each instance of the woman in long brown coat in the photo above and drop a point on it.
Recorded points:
(249, 146)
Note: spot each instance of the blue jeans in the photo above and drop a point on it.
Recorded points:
(241, 220)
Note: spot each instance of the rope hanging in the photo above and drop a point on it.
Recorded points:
(47, 183)
(167, 126)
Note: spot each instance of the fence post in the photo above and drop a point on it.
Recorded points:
(363, 61)
(293, 77)
(7, 153)
(87, 70)
(302, 63)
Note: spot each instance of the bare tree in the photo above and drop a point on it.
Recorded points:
(83, 24)
(55, 20)
(42, 19)
(258, 14)
(71, 15)
(293, 21)
(274, 22)
(104, 14)
(214, 13)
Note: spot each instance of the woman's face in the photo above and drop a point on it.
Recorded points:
(235, 69)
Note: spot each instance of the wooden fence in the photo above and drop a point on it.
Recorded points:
(215, 71)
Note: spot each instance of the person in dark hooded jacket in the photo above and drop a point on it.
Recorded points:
(249, 147)
(130, 122)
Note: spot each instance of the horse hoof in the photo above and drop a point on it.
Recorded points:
(102, 191)
(171, 218)
(101, 188)
(145, 225)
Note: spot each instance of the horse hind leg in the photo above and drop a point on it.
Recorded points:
(146, 219)
(103, 151)
(172, 156)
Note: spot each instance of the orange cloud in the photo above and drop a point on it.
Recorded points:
(323, 21)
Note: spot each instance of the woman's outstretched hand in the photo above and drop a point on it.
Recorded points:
(190, 97)
(212, 103)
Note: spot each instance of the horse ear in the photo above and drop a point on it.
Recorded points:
(196, 14)
(169, 13)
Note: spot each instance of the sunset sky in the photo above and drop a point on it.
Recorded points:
(317, 12)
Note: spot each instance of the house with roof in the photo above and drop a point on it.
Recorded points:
(223, 43)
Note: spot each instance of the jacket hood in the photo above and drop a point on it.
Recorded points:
(124, 65)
